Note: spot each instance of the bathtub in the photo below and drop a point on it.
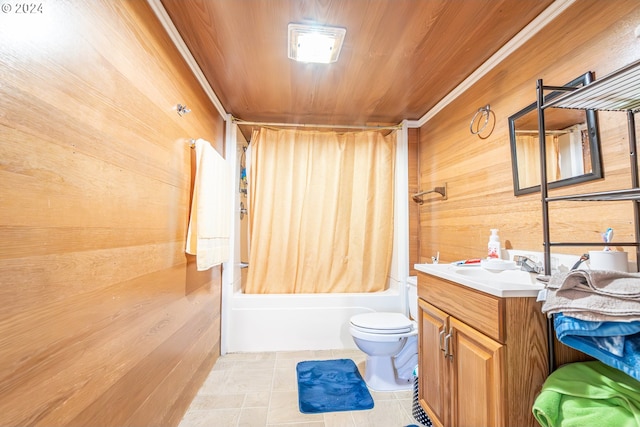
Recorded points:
(290, 322)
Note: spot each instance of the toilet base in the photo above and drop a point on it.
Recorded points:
(380, 375)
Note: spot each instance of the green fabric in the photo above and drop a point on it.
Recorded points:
(588, 394)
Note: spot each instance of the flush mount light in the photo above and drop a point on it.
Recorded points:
(315, 43)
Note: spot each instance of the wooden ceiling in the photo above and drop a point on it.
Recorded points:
(399, 58)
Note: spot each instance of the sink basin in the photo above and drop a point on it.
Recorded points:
(504, 283)
(516, 277)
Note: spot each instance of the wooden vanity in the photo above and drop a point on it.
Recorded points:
(482, 357)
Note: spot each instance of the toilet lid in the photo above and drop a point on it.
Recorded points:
(385, 322)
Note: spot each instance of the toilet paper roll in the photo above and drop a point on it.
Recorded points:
(609, 260)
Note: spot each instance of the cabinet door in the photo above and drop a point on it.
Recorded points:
(476, 378)
(433, 324)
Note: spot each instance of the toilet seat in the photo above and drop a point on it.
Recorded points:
(382, 323)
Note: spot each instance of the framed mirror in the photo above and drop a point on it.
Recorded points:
(572, 144)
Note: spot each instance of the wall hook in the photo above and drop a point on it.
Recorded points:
(182, 110)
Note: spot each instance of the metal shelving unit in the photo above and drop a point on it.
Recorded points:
(618, 91)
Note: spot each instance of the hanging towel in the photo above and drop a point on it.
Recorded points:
(407, 359)
(208, 233)
(604, 282)
(616, 344)
(588, 394)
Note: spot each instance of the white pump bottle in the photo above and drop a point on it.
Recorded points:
(493, 247)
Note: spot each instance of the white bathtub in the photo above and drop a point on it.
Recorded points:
(290, 322)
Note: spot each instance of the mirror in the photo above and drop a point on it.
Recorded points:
(572, 144)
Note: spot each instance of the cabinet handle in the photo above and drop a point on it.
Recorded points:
(442, 332)
(446, 345)
(447, 338)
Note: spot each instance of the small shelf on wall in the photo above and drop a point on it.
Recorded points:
(618, 91)
(599, 244)
(629, 194)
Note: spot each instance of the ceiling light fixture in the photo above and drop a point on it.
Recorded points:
(315, 43)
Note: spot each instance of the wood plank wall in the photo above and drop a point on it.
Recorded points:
(591, 35)
(104, 319)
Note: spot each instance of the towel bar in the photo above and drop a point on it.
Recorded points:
(440, 190)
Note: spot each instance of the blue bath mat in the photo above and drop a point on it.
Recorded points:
(331, 386)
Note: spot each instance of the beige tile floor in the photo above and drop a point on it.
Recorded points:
(260, 389)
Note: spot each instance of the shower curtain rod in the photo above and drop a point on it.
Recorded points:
(243, 122)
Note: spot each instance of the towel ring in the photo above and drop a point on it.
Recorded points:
(482, 111)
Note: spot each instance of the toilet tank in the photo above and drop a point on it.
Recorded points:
(412, 296)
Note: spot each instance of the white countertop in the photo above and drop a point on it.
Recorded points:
(505, 284)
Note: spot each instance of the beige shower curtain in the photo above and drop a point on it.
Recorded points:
(529, 159)
(321, 211)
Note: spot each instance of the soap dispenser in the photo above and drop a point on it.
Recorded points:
(493, 246)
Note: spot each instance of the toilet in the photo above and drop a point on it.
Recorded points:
(390, 341)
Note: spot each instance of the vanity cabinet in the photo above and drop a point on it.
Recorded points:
(472, 374)
(482, 359)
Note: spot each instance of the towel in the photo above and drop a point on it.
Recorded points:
(209, 231)
(407, 359)
(617, 344)
(594, 295)
(604, 282)
(588, 394)
(591, 306)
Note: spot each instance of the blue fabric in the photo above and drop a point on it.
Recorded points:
(331, 386)
(616, 344)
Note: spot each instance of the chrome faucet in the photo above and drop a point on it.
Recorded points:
(527, 264)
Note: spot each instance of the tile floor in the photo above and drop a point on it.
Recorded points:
(260, 389)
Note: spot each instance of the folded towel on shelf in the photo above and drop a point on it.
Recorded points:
(591, 306)
(594, 295)
(604, 282)
(588, 394)
(208, 233)
(608, 336)
(617, 344)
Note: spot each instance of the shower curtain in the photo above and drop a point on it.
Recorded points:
(529, 160)
(321, 217)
